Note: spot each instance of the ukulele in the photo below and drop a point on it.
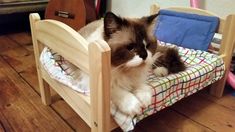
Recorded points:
(70, 12)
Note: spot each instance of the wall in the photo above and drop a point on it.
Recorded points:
(137, 8)
(220, 7)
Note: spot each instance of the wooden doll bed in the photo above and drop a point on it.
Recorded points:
(94, 59)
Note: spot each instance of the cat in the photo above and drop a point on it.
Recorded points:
(133, 47)
(167, 62)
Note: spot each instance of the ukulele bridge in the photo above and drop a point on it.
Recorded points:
(64, 14)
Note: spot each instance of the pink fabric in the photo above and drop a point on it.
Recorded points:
(194, 3)
(231, 79)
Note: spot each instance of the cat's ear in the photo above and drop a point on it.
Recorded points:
(112, 23)
(149, 19)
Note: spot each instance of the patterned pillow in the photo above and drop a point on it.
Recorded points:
(64, 71)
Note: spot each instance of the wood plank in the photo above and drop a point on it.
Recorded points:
(168, 120)
(1, 127)
(22, 38)
(4, 125)
(29, 47)
(70, 116)
(21, 106)
(22, 60)
(19, 57)
(6, 44)
(228, 100)
(30, 76)
(206, 112)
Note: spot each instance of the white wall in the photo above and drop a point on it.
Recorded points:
(220, 7)
(137, 8)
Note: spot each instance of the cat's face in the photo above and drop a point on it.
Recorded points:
(131, 40)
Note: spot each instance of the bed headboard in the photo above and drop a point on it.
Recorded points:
(226, 28)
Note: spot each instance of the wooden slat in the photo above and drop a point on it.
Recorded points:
(100, 74)
(208, 113)
(37, 46)
(226, 48)
(72, 46)
(21, 106)
(154, 9)
(79, 102)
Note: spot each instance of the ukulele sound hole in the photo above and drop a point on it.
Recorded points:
(64, 14)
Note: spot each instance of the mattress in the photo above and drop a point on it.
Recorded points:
(203, 69)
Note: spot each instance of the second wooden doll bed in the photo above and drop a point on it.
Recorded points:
(94, 59)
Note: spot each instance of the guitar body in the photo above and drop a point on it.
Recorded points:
(70, 12)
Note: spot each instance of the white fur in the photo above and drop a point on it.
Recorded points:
(135, 61)
(129, 91)
(157, 55)
(160, 71)
(96, 35)
(144, 94)
(125, 101)
(145, 43)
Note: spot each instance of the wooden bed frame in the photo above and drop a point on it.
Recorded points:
(94, 59)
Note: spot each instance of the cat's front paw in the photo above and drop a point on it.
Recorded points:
(130, 105)
(160, 71)
(144, 96)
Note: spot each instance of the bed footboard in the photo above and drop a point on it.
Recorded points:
(93, 59)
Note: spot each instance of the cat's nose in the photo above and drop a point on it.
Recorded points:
(143, 55)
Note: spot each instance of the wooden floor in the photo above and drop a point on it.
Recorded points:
(21, 108)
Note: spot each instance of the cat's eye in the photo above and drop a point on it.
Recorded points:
(130, 47)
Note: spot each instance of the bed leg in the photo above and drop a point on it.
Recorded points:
(45, 92)
(217, 88)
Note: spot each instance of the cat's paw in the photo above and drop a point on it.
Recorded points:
(130, 105)
(160, 71)
(144, 96)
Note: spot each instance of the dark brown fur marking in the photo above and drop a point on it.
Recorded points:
(127, 46)
(170, 59)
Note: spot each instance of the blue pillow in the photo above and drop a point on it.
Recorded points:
(186, 30)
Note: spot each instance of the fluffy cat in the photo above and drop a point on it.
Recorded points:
(133, 46)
